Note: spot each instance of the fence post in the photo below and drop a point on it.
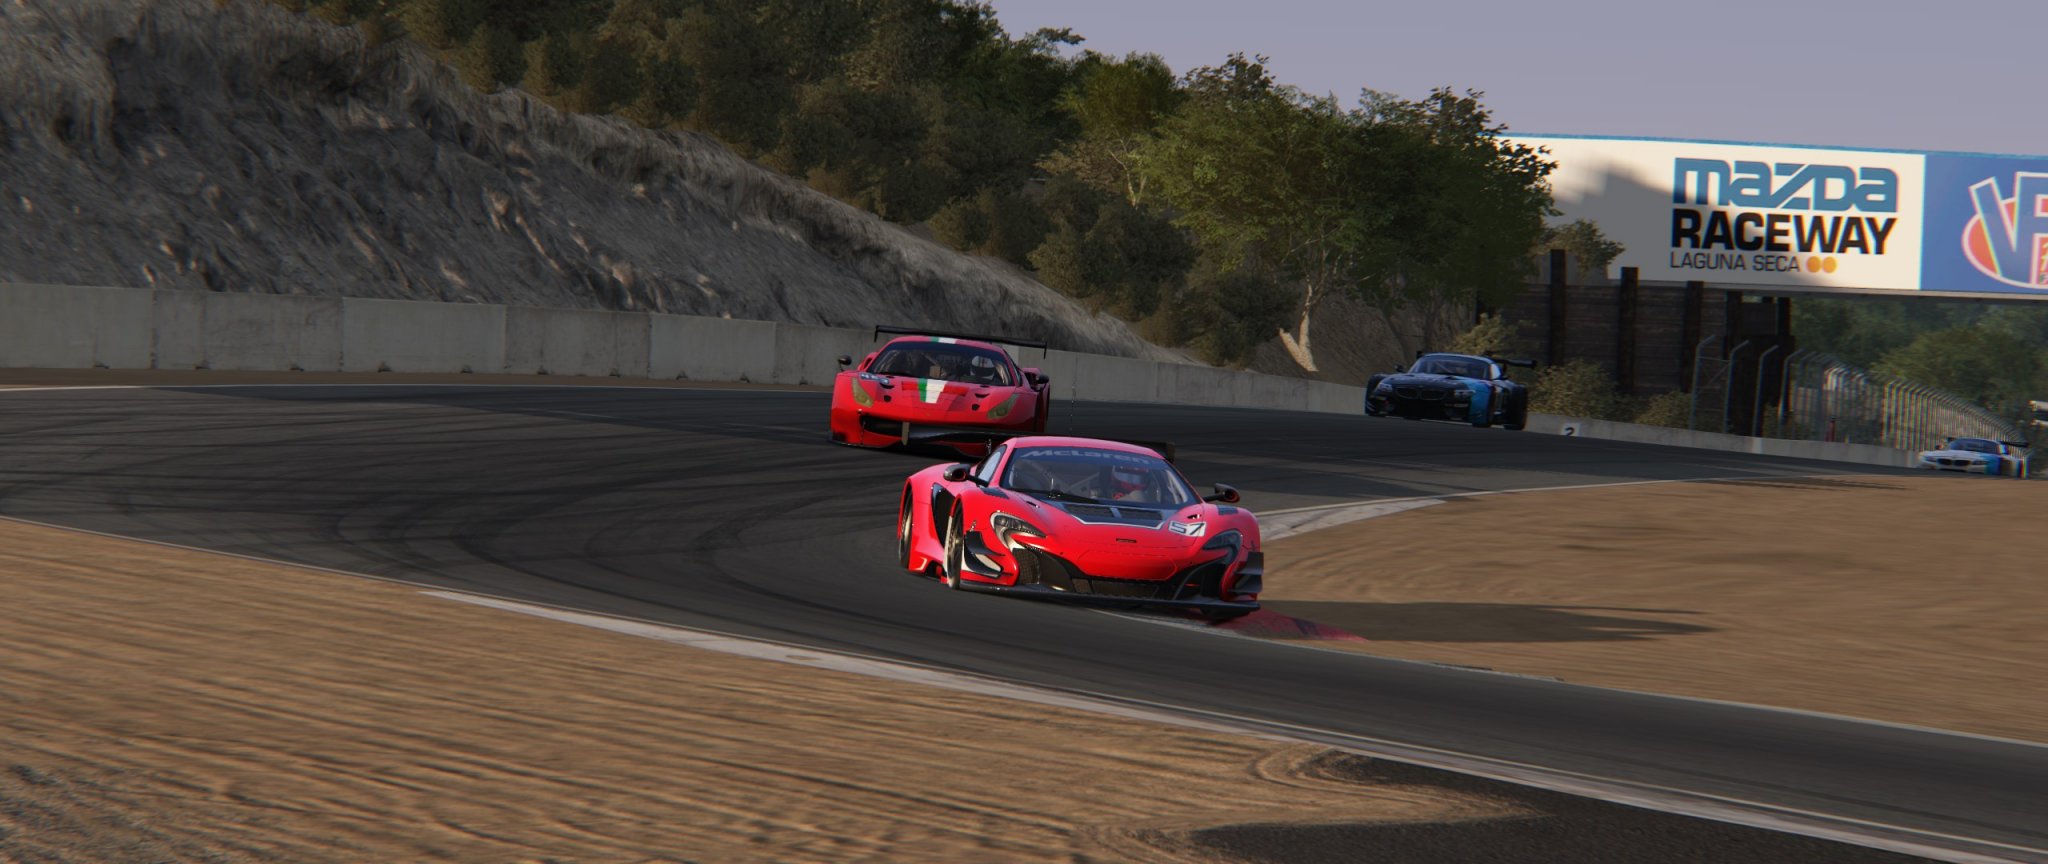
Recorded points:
(1728, 389)
(1692, 417)
(1756, 408)
(1689, 330)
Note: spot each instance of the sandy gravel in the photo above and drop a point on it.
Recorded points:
(163, 705)
(1910, 599)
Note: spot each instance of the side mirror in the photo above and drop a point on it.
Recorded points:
(1037, 378)
(845, 360)
(956, 473)
(1225, 494)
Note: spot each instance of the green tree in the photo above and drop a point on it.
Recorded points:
(1458, 208)
(668, 84)
(743, 90)
(1003, 225)
(1991, 367)
(1225, 313)
(1590, 250)
(491, 58)
(441, 24)
(1492, 336)
(1263, 177)
(1575, 389)
(610, 79)
(1116, 104)
(553, 66)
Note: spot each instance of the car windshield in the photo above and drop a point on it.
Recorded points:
(1463, 367)
(943, 361)
(1089, 474)
(1973, 445)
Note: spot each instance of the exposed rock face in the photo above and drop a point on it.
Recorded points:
(234, 146)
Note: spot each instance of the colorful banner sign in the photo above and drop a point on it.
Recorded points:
(1811, 218)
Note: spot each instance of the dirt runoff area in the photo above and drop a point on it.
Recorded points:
(173, 705)
(1913, 600)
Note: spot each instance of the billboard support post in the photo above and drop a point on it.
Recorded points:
(1558, 274)
(1625, 338)
(1689, 333)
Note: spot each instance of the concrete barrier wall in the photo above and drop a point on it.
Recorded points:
(576, 342)
(107, 327)
(711, 349)
(123, 328)
(1608, 430)
(78, 327)
(264, 332)
(402, 336)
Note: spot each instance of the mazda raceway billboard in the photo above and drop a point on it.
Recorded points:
(1811, 219)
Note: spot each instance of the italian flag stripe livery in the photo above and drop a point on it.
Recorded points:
(930, 390)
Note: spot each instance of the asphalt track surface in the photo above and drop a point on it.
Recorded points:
(728, 510)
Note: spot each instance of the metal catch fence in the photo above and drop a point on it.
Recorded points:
(1827, 399)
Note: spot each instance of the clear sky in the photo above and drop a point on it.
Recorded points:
(1968, 75)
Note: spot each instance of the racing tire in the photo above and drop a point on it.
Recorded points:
(1518, 412)
(956, 551)
(904, 526)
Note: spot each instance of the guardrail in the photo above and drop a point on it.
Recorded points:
(62, 326)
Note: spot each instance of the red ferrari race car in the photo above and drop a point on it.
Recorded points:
(938, 388)
(1082, 518)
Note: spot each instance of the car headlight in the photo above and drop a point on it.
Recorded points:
(1003, 410)
(1231, 539)
(1007, 526)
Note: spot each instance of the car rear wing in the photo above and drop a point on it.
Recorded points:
(919, 331)
(1526, 364)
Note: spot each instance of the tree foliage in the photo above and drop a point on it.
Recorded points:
(1991, 366)
(1199, 204)
(1577, 388)
(1588, 249)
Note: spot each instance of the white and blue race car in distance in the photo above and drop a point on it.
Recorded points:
(1977, 456)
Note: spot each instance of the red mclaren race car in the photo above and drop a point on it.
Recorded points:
(935, 388)
(1081, 518)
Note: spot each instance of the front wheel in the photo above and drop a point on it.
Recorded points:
(956, 552)
(904, 527)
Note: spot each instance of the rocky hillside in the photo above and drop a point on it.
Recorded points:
(229, 145)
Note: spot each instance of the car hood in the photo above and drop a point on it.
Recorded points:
(1115, 525)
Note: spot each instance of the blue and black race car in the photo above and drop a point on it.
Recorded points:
(1460, 387)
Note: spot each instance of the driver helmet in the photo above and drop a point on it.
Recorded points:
(981, 368)
(1126, 479)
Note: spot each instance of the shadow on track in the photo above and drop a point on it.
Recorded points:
(1488, 622)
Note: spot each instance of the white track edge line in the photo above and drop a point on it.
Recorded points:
(1651, 796)
(1662, 799)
